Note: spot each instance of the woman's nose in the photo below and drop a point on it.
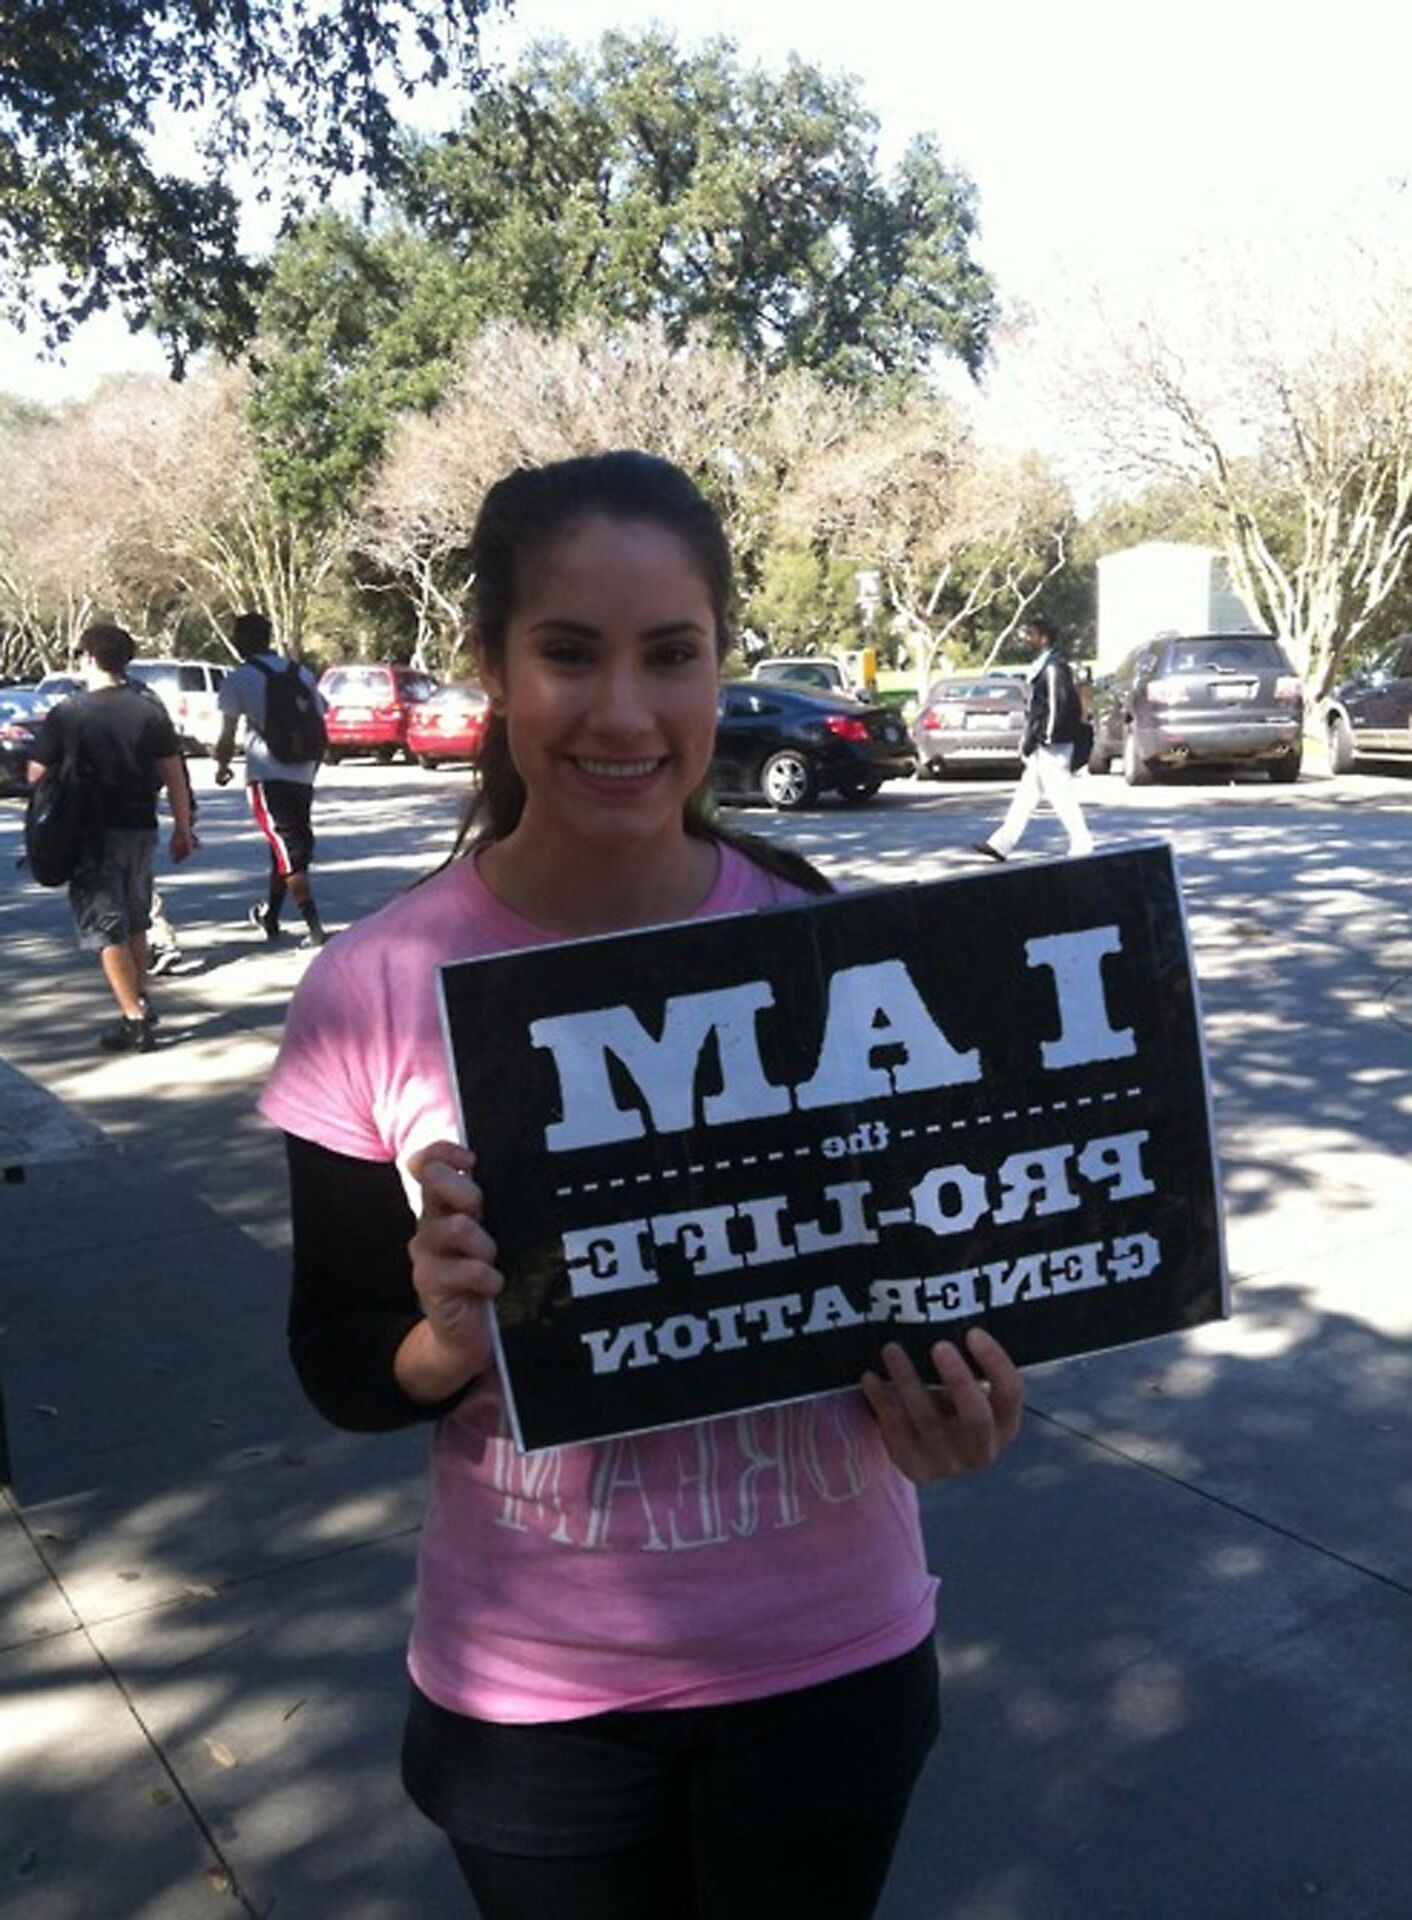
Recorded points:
(622, 705)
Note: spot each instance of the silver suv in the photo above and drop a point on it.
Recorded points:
(1206, 699)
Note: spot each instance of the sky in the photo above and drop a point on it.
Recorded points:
(1109, 142)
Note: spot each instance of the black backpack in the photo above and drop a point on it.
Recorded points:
(60, 820)
(294, 729)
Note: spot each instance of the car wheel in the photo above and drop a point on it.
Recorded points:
(332, 756)
(1343, 755)
(1100, 760)
(386, 756)
(1286, 768)
(1136, 770)
(787, 780)
(429, 761)
(855, 791)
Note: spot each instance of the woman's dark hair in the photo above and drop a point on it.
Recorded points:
(521, 516)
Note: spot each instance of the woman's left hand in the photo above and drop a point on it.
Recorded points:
(965, 1424)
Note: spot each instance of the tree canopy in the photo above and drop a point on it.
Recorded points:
(645, 180)
(91, 214)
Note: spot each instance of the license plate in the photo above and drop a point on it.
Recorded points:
(351, 715)
(1237, 690)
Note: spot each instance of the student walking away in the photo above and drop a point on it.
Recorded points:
(285, 742)
(123, 747)
(164, 954)
(1053, 746)
(690, 1672)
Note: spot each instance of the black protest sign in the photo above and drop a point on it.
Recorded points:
(724, 1162)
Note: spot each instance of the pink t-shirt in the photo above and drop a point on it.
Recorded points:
(720, 1561)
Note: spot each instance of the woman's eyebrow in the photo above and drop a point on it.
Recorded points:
(670, 628)
(583, 630)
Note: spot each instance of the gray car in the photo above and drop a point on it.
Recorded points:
(1207, 699)
(971, 720)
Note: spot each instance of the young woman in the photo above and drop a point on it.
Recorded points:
(689, 1673)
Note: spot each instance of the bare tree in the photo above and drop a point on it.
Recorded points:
(201, 516)
(522, 398)
(1290, 420)
(954, 532)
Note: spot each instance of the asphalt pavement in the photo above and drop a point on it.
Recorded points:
(1176, 1624)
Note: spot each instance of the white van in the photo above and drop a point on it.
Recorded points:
(189, 690)
(816, 673)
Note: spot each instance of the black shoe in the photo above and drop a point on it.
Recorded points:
(315, 937)
(260, 920)
(162, 959)
(990, 852)
(129, 1036)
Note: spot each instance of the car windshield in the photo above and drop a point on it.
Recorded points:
(803, 672)
(357, 683)
(1005, 693)
(1226, 654)
(163, 676)
(457, 698)
(418, 686)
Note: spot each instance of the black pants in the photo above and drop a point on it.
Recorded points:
(749, 1812)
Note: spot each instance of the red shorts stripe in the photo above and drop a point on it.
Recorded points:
(279, 850)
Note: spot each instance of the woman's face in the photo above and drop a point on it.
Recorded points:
(608, 685)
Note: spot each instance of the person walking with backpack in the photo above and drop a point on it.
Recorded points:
(120, 749)
(286, 741)
(1053, 746)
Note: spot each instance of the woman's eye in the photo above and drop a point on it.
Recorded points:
(676, 653)
(566, 653)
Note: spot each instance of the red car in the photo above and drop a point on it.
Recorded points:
(450, 725)
(368, 708)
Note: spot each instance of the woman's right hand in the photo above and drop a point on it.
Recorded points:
(455, 1276)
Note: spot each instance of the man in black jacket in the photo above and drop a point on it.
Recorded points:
(1053, 722)
(124, 746)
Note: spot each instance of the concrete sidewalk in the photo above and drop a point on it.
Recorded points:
(1175, 1626)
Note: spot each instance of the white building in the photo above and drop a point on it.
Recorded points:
(1164, 586)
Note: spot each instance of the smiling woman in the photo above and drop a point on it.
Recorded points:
(604, 1723)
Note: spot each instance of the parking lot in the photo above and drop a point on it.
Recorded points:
(1173, 1627)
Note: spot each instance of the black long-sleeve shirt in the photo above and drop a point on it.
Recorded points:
(352, 1302)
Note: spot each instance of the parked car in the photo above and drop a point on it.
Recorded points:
(22, 714)
(448, 726)
(190, 692)
(971, 720)
(1370, 715)
(1206, 699)
(789, 745)
(369, 707)
(819, 672)
(54, 687)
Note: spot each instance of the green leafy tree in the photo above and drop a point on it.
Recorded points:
(304, 91)
(804, 602)
(357, 328)
(650, 181)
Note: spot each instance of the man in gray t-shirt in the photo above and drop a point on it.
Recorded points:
(281, 792)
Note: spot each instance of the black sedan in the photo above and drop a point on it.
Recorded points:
(789, 746)
(21, 713)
